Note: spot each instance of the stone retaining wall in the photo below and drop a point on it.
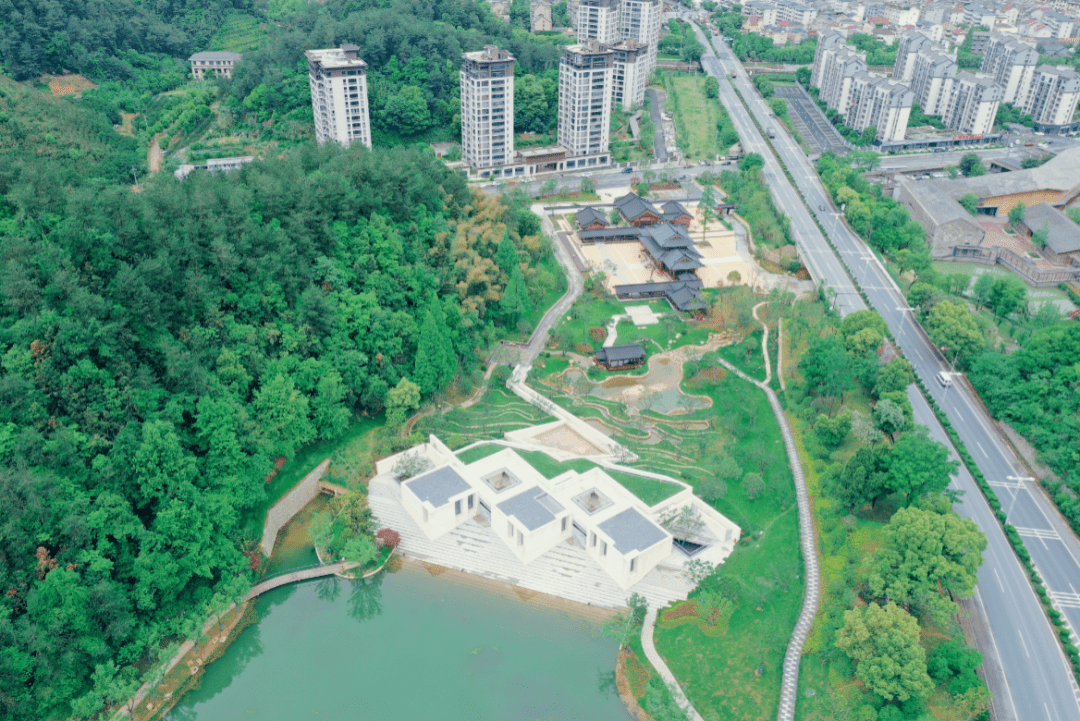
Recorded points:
(292, 503)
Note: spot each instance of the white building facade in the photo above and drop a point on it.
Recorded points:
(339, 98)
(640, 21)
(972, 103)
(487, 108)
(630, 74)
(934, 71)
(598, 20)
(585, 96)
(1054, 94)
(1011, 62)
(910, 44)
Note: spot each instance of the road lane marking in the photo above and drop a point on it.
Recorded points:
(1050, 534)
(1066, 600)
(982, 449)
(1024, 643)
(999, 579)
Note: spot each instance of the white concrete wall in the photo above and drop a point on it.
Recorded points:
(440, 520)
(292, 503)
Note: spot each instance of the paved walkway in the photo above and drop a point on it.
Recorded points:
(295, 576)
(662, 669)
(764, 341)
(789, 686)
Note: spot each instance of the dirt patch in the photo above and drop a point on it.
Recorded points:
(67, 84)
(626, 686)
(803, 274)
(620, 382)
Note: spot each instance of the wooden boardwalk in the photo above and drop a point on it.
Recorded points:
(295, 576)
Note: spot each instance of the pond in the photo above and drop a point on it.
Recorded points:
(1036, 296)
(409, 645)
(657, 391)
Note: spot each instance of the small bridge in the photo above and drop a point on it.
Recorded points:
(301, 575)
(332, 488)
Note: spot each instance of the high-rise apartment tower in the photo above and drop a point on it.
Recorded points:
(487, 108)
(585, 92)
(640, 21)
(598, 20)
(339, 99)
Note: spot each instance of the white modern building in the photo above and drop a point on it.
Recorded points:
(976, 15)
(1053, 95)
(339, 97)
(934, 71)
(902, 14)
(640, 21)
(585, 96)
(213, 64)
(591, 511)
(1063, 26)
(598, 20)
(1011, 62)
(972, 103)
(829, 40)
(877, 101)
(487, 108)
(630, 73)
(910, 44)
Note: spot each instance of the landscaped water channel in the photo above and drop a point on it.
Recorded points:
(409, 645)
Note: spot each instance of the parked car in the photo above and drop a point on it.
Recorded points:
(628, 170)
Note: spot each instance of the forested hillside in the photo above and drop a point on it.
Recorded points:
(104, 38)
(160, 348)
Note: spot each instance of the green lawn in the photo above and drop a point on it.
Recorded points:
(476, 453)
(649, 490)
(496, 413)
(588, 312)
(305, 460)
(695, 115)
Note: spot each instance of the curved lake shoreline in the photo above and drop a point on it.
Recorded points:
(416, 644)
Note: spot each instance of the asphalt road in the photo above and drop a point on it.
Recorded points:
(655, 107)
(1038, 681)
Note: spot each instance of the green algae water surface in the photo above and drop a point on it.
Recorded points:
(408, 646)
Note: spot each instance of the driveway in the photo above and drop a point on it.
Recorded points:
(658, 97)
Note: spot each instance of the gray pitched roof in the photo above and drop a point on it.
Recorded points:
(1064, 234)
(633, 206)
(673, 209)
(668, 235)
(628, 352)
(533, 508)
(683, 294)
(616, 232)
(216, 55)
(438, 486)
(1059, 173)
(585, 216)
(630, 531)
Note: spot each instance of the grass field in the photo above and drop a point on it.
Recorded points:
(239, 33)
(695, 115)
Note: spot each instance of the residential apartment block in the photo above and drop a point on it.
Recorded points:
(1011, 62)
(830, 40)
(585, 96)
(772, 12)
(487, 108)
(208, 65)
(1053, 95)
(972, 103)
(838, 69)
(931, 81)
(976, 15)
(879, 102)
(640, 21)
(907, 48)
(901, 15)
(630, 73)
(598, 20)
(339, 98)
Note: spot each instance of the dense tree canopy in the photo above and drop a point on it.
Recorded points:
(884, 641)
(162, 347)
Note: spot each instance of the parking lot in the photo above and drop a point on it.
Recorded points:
(811, 123)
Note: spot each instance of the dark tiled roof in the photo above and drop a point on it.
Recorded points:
(630, 531)
(633, 206)
(438, 486)
(587, 216)
(628, 352)
(604, 233)
(673, 209)
(1064, 234)
(533, 508)
(683, 294)
(667, 235)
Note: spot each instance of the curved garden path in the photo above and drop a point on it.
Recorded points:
(789, 686)
(764, 341)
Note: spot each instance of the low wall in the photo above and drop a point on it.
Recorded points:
(292, 503)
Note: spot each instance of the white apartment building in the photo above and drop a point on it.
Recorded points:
(976, 15)
(339, 96)
(1008, 15)
(796, 12)
(839, 67)
(907, 48)
(1054, 94)
(630, 73)
(585, 96)
(640, 22)
(1063, 25)
(934, 71)
(829, 40)
(934, 13)
(487, 108)
(900, 15)
(598, 20)
(972, 103)
(1011, 62)
(213, 64)
(879, 102)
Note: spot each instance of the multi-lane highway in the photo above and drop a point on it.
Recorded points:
(1035, 681)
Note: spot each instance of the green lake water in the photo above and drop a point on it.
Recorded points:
(407, 646)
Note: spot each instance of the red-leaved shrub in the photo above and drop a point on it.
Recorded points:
(389, 537)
